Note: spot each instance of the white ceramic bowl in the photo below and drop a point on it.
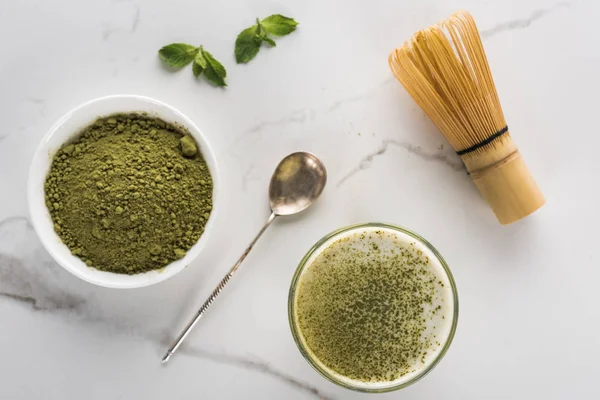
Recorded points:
(64, 130)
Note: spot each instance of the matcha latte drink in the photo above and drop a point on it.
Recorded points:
(373, 307)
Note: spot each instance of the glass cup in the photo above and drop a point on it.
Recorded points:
(370, 387)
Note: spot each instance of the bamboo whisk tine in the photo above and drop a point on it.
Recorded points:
(445, 70)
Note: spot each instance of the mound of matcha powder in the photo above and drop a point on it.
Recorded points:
(130, 194)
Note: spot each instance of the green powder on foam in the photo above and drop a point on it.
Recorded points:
(129, 194)
(361, 310)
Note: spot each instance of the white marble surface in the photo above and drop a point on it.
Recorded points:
(528, 292)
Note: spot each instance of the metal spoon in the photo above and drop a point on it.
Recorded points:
(296, 183)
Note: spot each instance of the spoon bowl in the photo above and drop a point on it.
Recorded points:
(297, 182)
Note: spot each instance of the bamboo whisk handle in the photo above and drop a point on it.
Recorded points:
(505, 182)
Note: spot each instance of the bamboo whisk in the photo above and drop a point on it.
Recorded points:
(445, 70)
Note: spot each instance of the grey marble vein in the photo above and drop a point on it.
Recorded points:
(302, 115)
(247, 177)
(27, 272)
(437, 156)
(522, 23)
(298, 116)
(136, 18)
(25, 299)
(38, 103)
(256, 131)
(108, 32)
(360, 97)
(35, 100)
(254, 365)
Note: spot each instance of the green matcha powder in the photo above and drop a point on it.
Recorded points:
(130, 194)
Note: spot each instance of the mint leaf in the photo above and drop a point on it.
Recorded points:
(269, 41)
(178, 55)
(200, 63)
(214, 72)
(261, 33)
(197, 68)
(279, 25)
(200, 60)
(247, 44)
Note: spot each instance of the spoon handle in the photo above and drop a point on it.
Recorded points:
(215, 293)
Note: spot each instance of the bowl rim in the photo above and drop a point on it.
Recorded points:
(41, 218)
(295, 329)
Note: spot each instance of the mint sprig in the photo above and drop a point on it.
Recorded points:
(249, 40)
(178, 55)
